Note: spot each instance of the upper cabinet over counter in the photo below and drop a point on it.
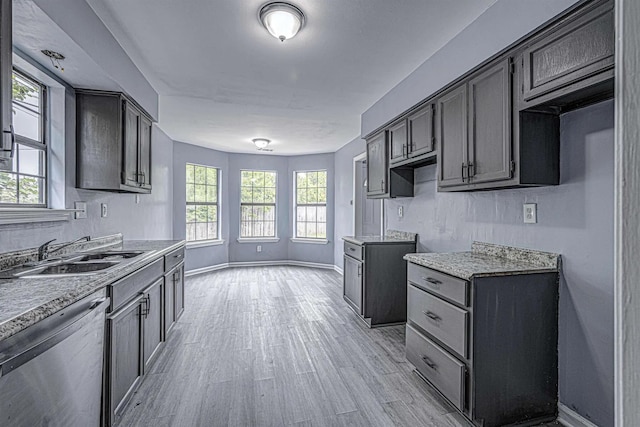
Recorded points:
(113, 143)
(498, 126)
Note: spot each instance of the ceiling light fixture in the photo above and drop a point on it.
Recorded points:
(282, 20)
(261, 143)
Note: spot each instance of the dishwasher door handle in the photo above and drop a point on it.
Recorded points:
(97, 308)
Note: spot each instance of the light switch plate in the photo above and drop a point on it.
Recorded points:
(103, 210)
(82, 214)
(530, 213)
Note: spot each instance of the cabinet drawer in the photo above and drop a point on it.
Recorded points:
(441, 284)
(124, 289)
(444, 321)
(173, 258)
(441, 369)
(353, 250)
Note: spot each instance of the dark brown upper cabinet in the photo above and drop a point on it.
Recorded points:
(411, 140)
(113, 143)
(474, 129)
(572, 61)
(383, 182)
(481, 149)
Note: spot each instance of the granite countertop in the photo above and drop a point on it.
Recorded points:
(391, 236)
(487, 259)
(25, 301)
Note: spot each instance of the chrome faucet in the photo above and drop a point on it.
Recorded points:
(44, 252)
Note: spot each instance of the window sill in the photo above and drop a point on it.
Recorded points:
(258, 240)
(28, 215)
(311, 241)
(204, 243)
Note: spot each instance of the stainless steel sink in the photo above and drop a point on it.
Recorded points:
(67, 269)
(110, 255)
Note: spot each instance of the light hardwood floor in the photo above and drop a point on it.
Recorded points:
(278, 346)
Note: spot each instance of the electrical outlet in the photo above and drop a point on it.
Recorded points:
(137, 199)
(103, 210)
(259, 248)
(400, 211)
(82, 214)
(530, 212)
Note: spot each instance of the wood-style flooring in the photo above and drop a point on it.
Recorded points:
(278, 346)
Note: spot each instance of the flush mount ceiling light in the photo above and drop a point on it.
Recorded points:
(282, 20)
(261, 143)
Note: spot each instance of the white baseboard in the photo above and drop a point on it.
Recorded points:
(570, 418)
(205, 269)
(338, 270)
(259, 264)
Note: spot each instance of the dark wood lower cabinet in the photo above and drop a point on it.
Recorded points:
(153, 321)
(488, 345)
(145, 305)
(124, 364)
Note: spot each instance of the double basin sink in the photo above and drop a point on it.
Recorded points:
(73, 265)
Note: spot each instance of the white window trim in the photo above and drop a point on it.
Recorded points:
(309, 240)
(258, 239)
(55, 176)
(274, 239)
(204, 243)
(208, 242)
(294, 228)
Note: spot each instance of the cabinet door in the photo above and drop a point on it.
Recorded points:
(125, 361)
(145, 152)
(451, 122)
(398, 142)
(352, 285)
(377, 164)
(6, 143)
(169, 303)
(421, 132)
(153, 319)
(576, 51)
(490, 124)
(179, 291)
(131, 137)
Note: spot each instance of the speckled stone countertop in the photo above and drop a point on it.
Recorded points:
(486, 259)
(25, 301)
(391, 236)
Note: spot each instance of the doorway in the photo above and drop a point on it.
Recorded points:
(367, 213)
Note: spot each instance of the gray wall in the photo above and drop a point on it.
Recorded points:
(231, 164)
(152, 218)
(498, 27)
(343, 166)
(575, 219)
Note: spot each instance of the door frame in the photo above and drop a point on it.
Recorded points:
(358, 158)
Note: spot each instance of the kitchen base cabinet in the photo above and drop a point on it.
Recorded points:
(153, 322)
(124, 361)
(374, 279)
(144, 307)
(488, 345)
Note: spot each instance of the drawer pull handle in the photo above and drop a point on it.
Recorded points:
(431, 315)
(352, 249)
(429, 363)
(432, 281)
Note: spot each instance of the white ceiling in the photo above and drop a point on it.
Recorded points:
(223, 80)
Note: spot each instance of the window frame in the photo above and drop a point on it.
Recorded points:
(300, 239)
(265, 239)
(217, 204)
(31, 143)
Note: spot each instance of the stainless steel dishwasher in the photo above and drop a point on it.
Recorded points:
(51, 372)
